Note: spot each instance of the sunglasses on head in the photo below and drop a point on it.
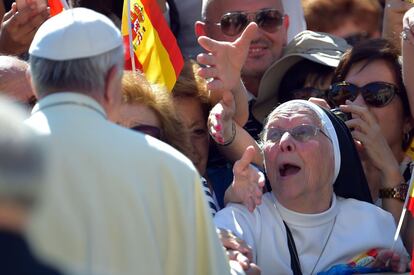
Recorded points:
(306, 93)
(233, 23)
(376, 94)
(301, 133)
(148, 129)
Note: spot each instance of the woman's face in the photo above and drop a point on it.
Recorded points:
(389, 117)
(298, 170)
(141, 116)
(190, 112)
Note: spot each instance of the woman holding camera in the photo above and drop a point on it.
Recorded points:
(368, 85)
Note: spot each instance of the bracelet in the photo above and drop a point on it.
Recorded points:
(399, 192)
(233, 135)
(404, 34)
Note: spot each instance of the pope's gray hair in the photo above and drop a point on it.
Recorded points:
(82, 75)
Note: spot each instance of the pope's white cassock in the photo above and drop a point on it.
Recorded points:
(116, 201)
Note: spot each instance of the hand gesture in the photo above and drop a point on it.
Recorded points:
(220, 118)
(225, 60)
(248, 181)
(373, 145)
(387, 258)
(19, 27)
(237, 250)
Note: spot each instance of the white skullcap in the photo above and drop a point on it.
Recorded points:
(75, 33)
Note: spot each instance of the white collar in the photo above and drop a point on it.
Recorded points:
(307, 220)
(69, 98)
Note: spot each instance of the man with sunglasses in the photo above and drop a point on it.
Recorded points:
(225, 20)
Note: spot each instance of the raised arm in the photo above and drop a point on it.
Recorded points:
(224, 62)
(393, 14)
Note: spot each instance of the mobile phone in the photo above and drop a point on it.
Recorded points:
(22, 4)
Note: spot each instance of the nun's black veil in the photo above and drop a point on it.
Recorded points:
(351, 181)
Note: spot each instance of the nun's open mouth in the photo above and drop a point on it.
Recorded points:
(288, 169)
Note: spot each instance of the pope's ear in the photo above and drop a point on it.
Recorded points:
(30, 81)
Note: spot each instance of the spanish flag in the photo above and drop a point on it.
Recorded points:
(56, 6)
(150, 45)
(410, 204)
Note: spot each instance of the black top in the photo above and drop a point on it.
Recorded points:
(17, 259)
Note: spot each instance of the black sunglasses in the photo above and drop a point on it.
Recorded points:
(376, 94)
(148, 129)
(233, 23)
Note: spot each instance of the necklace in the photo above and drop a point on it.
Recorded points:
(291, 236)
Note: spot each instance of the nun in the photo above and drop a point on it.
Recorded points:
(319, 213)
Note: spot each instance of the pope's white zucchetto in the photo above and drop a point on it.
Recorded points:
(75, 33)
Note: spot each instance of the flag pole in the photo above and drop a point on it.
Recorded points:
(131, 51)
(64, 4)
(404, 210)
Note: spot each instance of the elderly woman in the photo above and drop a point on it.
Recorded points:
(302, 226)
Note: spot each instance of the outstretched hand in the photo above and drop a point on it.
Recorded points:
(225, 60)
(19, 27)
(248, 181)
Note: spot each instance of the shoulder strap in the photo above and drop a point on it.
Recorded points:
(294, 258)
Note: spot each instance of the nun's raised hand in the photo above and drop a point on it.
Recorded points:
(373, 145)
(248, 182)
(225, 60)
(220, 119)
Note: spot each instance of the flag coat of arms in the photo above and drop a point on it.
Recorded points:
(150, 45)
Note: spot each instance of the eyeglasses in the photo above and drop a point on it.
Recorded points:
(148, 129)
(233, 23)
(301, 133)
(306, 93)
(377, 94)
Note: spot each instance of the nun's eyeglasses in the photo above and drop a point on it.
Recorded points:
(233, 23)
(376, 94)
(301, 133)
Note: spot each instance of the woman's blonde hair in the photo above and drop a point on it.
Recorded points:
(137, 90)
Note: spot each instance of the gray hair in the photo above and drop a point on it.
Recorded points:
(22, 157)
(84, 74)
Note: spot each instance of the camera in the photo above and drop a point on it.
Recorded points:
(341, 115)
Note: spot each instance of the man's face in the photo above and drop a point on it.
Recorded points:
(265, 48)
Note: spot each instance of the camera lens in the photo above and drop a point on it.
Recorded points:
(341, 115)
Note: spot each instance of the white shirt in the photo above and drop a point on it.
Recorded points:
(356, 227)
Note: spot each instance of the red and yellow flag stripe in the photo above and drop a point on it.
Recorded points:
(410, 204)
(55, 6)
(156, 52)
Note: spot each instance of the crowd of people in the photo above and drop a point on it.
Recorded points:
(285, 147)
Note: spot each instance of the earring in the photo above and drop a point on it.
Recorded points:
(406, 138)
